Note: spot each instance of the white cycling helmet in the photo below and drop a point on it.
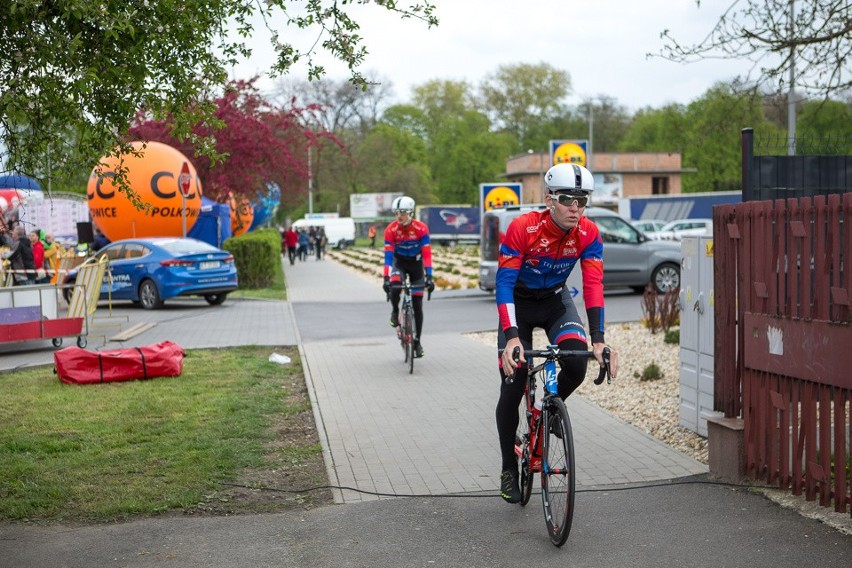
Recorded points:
(569, 178)
(403, 203)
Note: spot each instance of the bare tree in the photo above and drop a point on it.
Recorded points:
(345, 105)
(804, 44)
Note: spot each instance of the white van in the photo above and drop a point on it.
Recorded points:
(340, 231)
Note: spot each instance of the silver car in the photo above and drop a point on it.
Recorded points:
(630, 258)
(650, 227)
(679, 228)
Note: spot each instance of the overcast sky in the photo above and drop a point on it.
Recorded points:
(602, 44)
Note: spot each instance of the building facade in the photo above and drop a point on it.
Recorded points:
(617, 174)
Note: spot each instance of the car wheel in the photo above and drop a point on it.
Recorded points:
(215, 299)
(149, 296)
(666, 277)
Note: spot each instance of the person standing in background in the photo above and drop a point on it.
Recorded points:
(291, 239)
(20, 258)
(38, 257)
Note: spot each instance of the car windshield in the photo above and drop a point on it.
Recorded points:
(186, 246)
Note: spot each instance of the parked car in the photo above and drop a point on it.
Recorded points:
(630, 258)
(650, 227)
(150, 271)
(676, 230)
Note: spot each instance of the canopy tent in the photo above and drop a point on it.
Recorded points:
(213, 225)
(13, 181)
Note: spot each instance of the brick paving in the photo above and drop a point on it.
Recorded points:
(390, 433)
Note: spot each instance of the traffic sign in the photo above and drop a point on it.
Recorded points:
(185, 179)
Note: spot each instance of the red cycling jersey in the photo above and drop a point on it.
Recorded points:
(536, 257)
(408, 241)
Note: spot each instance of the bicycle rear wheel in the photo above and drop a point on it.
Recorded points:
(408, 334)
(522, 449)
(558, 471)
(402, 340)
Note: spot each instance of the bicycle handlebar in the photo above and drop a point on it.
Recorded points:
(556, 353)
(409, 287)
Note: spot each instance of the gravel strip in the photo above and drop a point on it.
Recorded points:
(650, 405)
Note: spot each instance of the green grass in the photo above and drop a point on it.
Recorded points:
(112, 451)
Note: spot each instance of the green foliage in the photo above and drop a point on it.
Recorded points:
(611, 122)
(62, 108)
(672, 336)
(825, 127)
(714, 138)
(257, 255)
(657, 130)
(391, 159)
(517, 96)
(650, 373)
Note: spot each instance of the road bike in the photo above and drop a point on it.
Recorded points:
(544, 442)
(406, 330)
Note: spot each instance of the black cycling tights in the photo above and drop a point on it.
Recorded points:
(570, 376)
(417, 304)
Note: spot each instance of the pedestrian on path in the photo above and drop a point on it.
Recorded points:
(291, 241)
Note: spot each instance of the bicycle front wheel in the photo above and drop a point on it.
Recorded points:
(558, 471)
(522, 449)
(408, 333)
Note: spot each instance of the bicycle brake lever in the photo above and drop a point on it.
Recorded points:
(604, 369)
(516, 356)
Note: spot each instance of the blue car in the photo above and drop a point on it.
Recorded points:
(152, 270)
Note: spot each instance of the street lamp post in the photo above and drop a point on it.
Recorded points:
(310, 184)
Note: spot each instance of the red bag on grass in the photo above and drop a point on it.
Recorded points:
(83, 367)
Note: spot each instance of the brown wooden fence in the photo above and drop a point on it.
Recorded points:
(783, 340)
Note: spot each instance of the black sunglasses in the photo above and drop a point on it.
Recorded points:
(568, 200)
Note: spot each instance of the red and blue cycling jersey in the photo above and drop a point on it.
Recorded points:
(536, 257)
(409, 242)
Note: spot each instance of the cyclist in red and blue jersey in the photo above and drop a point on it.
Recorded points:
(540, 250)
(408, 252)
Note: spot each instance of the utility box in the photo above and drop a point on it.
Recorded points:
(696, 333)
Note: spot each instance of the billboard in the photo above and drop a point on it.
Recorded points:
(608, 189)
(371, 206)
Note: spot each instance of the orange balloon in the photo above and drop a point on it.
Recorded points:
(242, 215)
(155, 177)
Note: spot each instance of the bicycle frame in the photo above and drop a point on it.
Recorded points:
(406, 330)
(547, 446)
(533, 412)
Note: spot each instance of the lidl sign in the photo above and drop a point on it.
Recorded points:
(498, 195)
(569, 152)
